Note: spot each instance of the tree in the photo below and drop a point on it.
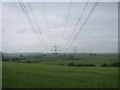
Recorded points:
(116, 64)
(91, 54)
(104, 65)
(71, 64)
(21, 56)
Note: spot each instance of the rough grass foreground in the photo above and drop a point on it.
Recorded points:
(23, 75)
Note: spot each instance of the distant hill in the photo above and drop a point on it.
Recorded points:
(36, 54)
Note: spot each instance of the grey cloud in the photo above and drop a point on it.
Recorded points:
(98, 35)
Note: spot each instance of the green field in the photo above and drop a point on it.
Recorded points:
(24, 75)
(97, 60)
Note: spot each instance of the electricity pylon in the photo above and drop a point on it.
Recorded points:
(55, 49)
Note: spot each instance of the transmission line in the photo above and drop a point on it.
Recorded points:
(33, 16)
(65, 24)
(30, 21)
(67, 18)
(36, 23)
(46, 20)
(81, 15)
(82, 25)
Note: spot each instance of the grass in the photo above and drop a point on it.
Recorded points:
(97, 60)
(24, 75)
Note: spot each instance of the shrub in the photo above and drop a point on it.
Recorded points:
(71, 64)
(28, 61)
(86, 65)
(92, 65)
(104, 65)
(116, 64)
(81, 65)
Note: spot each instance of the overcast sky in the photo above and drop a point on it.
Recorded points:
(100, 33)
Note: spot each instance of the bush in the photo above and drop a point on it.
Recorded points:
(81, 65)
(116, 64)
(28, 61)
(104, 65)
(86, 65)
(71, 64)
(92, 65)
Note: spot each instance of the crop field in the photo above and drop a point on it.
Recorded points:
(97, 60)
(59, 44)
(32, 75)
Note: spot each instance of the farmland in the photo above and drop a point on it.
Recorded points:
(41, 75)
(59, 44)
(97, 60)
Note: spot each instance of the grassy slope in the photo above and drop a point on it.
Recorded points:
(18, 75)
(97, 60)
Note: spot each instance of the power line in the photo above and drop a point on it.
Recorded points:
(57, 15)
(81, 15)
(82, 25)
(34, 16)
(65, 24)
(67, 18)
(36, 23)
(30, 21)
(46, 20)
